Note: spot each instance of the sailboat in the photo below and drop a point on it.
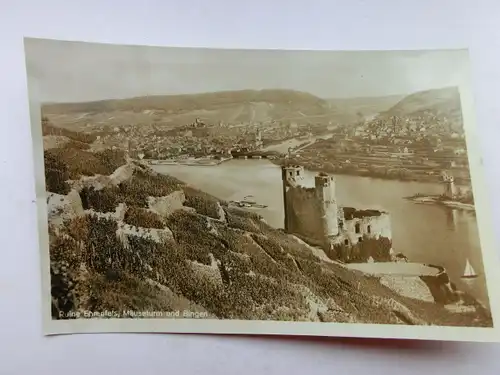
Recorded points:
(469, 272)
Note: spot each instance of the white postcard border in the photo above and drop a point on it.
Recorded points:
(210, 326)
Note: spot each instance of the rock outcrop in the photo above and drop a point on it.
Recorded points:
(165, 206)
(63, 207)
(54, 141)
(99, 182)
(125, 231)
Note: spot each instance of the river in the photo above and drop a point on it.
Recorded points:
(424, 233)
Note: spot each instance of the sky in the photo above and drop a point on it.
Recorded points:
(77, 71)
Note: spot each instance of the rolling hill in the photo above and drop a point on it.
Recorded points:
(190, 102)
(358, 108)
(251, 106)
(438, 102)
(227, 106)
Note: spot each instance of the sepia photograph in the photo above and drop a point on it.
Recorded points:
(210, 190)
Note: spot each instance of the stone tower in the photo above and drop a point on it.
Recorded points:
(325, 194)
(258, 139)
(291, 175)
(450, 190)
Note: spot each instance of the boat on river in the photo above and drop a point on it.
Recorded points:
(247, 203)
(469, 272)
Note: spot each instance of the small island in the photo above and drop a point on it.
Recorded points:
(452, 196)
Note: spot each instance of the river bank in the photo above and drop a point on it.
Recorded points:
(361, 172)
(209, 162)
(438, 200)
(187, 162)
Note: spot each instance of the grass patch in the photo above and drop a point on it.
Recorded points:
(123, 291)
(78, 162)
(103, 200)
(202, 202)
(196, 247)
(133, 192)
(243, 220)
(141, 217)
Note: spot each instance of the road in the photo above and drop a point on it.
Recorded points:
(394, 269)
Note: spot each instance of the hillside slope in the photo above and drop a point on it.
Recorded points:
(438, 102)
(127, 238)
(226, 106)
(358, 108)
(191, 102)
(187, 102)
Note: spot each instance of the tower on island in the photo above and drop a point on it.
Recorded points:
(450, 190)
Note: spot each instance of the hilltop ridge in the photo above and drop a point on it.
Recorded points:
(239, 106)
(189, 102)
(443, 102)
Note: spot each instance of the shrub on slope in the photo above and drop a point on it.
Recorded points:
(133, 192)
(78, 162)
(56, 174)
(140, 217)
(202, 202)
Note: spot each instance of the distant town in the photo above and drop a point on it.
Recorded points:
(407, 145)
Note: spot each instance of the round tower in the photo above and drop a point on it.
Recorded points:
(325, 193)
(449, 186)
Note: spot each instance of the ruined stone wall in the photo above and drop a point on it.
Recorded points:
(370, 227)
(303, 214)
(362, 238)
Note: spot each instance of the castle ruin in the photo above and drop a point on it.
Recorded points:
(313, 214)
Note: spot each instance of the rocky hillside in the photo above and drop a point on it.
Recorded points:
(124, 237)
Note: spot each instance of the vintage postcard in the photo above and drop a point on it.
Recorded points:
(260, 192)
